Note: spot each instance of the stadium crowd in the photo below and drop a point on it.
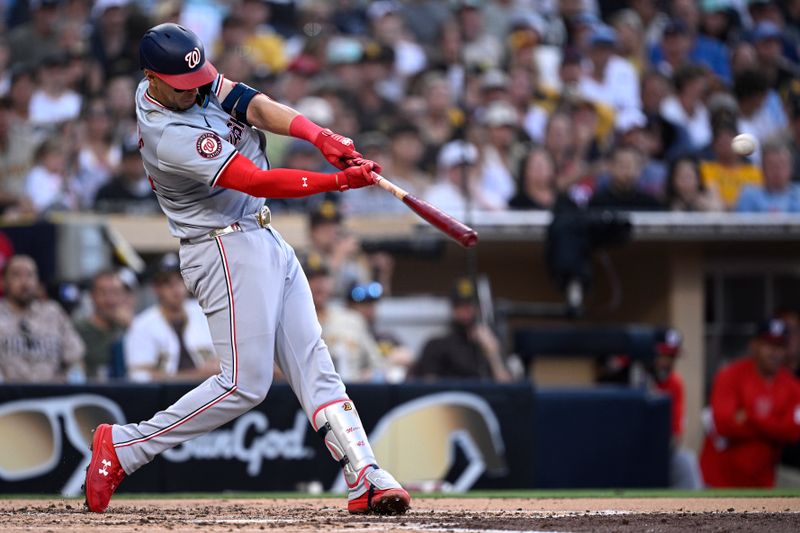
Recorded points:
(506, 104)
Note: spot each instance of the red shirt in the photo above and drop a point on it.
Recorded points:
(673, 386)
(753, 419)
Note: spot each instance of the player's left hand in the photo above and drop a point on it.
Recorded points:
(356, 177)
(337, 149)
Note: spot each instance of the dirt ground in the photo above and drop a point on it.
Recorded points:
(774, 515)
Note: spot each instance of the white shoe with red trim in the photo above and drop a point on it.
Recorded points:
(376, 491)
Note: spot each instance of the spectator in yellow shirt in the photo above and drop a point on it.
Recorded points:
(726, 171)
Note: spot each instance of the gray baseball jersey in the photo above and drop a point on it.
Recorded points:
(184, 152)
(249, 283)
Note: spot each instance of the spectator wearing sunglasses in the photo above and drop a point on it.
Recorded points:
(38, 343)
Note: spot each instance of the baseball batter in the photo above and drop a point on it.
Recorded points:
(203, 151)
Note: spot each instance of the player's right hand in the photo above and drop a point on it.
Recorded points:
(356, 177)
(337, 149)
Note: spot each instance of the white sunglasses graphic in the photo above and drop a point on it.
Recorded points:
(31, 436)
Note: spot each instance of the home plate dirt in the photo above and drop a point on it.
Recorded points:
(774, 515)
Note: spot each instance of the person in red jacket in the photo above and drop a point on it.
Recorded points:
(755, 412)
(684, 469)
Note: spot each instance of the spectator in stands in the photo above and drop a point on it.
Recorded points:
(129, 190)
(480, 49)
(621, 191)
(170, 340)
(633, 130)
(470, 350)
(536, 182)
(354, 352)
(630, 38)
(53, 102)
(560, 143)
(778, 69)
(338, 247)
(684, 468)
(37, 341)
(264, 46)
(457, 188)
(103, 329)
(612, 80)
(685, 190)
(686, 107)
(98, 156)
(15, 161)
(724, 169)
(50, 184)
(502, 152)
(31, 42)
(778, 194)
(760, 107)
(113, 34)
(755, 403)
(397, 357)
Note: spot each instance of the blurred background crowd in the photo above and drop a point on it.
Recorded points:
(472, 104)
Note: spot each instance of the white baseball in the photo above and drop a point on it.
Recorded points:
(744, 144)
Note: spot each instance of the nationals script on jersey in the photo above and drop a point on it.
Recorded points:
(184, 153)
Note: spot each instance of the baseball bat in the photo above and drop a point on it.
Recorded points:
(461, 233)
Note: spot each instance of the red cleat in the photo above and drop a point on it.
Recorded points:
(104, 473)
(379, 493)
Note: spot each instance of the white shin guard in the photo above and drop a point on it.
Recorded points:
(339, 425)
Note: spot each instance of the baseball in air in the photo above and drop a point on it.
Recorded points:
(744, 144)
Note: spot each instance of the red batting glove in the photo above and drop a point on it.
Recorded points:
(337, 149)
(356, 177)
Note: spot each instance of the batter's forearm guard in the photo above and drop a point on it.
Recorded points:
(340, 426)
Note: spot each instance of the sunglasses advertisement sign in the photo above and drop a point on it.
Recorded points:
(431, 436)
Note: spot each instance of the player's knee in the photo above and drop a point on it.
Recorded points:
(254, 392)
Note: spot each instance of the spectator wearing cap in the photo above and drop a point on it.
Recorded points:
(761, 110)
(610, 80)
(536, 181)
(129, 190)
(338, 247)
(724, 170)
(354, 352)
(53, 102)
(528, 48)
(102, 330)
(686, 108)
(379, 88)
(754, 413)
(170, 340)
(778, 69)
(684, 469)
(683, 43)
(263, 44)
(364, 298)
(481, 49)
(458, 185)
(31, 42)
(622, 190)
(470, 350)
(777, 194)
(633, 129)
(502, 151)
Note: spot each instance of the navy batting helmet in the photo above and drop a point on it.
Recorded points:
(176, 55)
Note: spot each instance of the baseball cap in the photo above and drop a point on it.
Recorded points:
(457, 153)
(325, 212)
(494, 79)
(668, 341)
(765, 31)
(675, 27)
(463, 292)
(603, 35)
(524, 19)
(381, 8)
(500, 113)
(344, 50)
(314, 265)
(168, 264)
(773, 331)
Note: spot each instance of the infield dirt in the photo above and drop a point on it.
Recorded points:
(776, 515)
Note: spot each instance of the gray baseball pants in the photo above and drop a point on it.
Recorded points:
(259, 309)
